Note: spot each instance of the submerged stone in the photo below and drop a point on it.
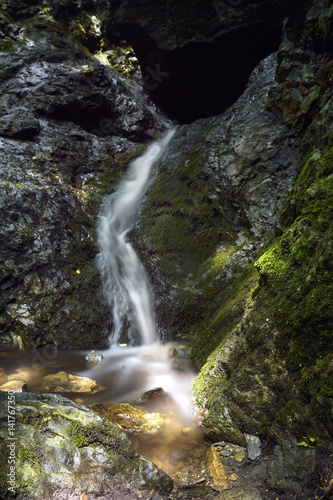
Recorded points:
(129, 418)
(151, 394)
(66, 382)
(95, 357)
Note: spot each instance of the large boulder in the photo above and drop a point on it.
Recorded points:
(62, 445)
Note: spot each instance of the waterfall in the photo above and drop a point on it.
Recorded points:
(125, 284)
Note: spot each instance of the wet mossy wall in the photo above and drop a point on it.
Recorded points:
(296, 278)
(279, 355)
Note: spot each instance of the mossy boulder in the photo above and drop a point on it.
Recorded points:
(273, 371)
(60, 444)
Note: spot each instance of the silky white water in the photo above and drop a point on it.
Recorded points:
(129, 371)
(125, 284)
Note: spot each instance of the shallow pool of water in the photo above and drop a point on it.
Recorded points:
(124, 375)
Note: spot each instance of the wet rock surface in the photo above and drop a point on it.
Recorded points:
(129, 418)
(289, 465)
(66, 118)
(66, 382)
(61, 444)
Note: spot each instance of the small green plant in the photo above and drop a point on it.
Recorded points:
(309, 443)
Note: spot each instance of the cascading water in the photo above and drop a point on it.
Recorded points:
(128, 374)
(124, 279)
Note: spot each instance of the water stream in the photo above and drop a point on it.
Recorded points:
(134, 370)
(128, 371)
(124, 279)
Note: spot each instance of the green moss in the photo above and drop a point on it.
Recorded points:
(28, 462)
(296, 284)
(224, 309)
(180, 222)
(79, 437)
(104, 434)
(6, 45)
(123, 59)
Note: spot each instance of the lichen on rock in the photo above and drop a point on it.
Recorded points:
(60, 444)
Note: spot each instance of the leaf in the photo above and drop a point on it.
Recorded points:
(312, 439)
(302, 443)
(78, 271)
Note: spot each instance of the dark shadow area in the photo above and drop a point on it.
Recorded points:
(204, 79)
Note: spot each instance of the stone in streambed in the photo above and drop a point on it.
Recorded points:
(66, 382)
(14, 385)
(129, 418)
(240, 494)
(253, 446)
(151, 394)
(217, 470)
(239, 456)
(95, 358)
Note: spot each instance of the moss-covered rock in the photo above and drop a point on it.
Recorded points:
(60, 444)
(273, 372)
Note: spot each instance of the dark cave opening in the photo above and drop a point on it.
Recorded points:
(203, 79)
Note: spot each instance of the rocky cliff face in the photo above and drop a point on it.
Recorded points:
(246, 256)
(69, 125)
(200, 53)
(236, 231)
(272, 373)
